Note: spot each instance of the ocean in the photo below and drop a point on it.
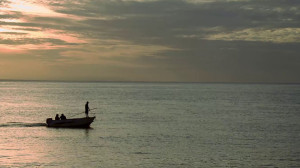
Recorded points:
(151, 125)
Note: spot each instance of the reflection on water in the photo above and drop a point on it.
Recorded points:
(21, 146)
(87, 131)
(41, 146)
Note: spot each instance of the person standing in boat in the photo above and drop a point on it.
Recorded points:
(87, 109)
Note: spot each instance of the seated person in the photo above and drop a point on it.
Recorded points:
(56, 117)
(63, 117)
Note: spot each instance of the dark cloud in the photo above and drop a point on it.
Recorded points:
(23, 41)
(11, 15)
(27, 29)
(178, 13)
(13, 33)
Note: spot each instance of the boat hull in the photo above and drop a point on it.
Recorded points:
(71, 123)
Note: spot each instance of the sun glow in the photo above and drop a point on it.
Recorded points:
(27, 7)
(11, 20)
(22, 32)
(34, 8)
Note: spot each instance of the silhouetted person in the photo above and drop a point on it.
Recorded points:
(87, 109)
(63, 117)
(56, 117)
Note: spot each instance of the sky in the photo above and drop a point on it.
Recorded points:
(150, 40)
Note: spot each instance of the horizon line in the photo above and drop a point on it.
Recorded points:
(121, 81)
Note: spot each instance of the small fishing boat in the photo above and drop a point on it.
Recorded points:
(71, 123)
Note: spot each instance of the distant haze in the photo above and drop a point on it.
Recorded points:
(150, 40)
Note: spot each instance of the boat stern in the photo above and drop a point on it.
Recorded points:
(49, 120)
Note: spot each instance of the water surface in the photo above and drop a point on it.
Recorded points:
(165, 125)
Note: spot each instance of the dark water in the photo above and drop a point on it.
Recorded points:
(151, 125)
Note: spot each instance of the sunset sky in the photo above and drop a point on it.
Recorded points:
(150, 40)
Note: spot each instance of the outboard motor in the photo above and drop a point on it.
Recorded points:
(49, 120)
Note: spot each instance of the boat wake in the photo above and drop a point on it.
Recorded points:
(21, 124)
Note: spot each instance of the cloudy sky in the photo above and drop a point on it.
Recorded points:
(150, 40)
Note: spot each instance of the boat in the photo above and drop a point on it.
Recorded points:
(71, 123)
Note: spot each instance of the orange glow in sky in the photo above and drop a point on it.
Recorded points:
(29, 8)
(13, 30)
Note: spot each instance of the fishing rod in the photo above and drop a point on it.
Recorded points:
(82, 112)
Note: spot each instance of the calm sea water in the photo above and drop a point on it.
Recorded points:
(151, 125)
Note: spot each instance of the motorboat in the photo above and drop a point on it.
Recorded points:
(71, 123)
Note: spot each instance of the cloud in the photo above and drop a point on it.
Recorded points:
(157, 21)
(182, 40)
(149, 21)
(279, 35)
